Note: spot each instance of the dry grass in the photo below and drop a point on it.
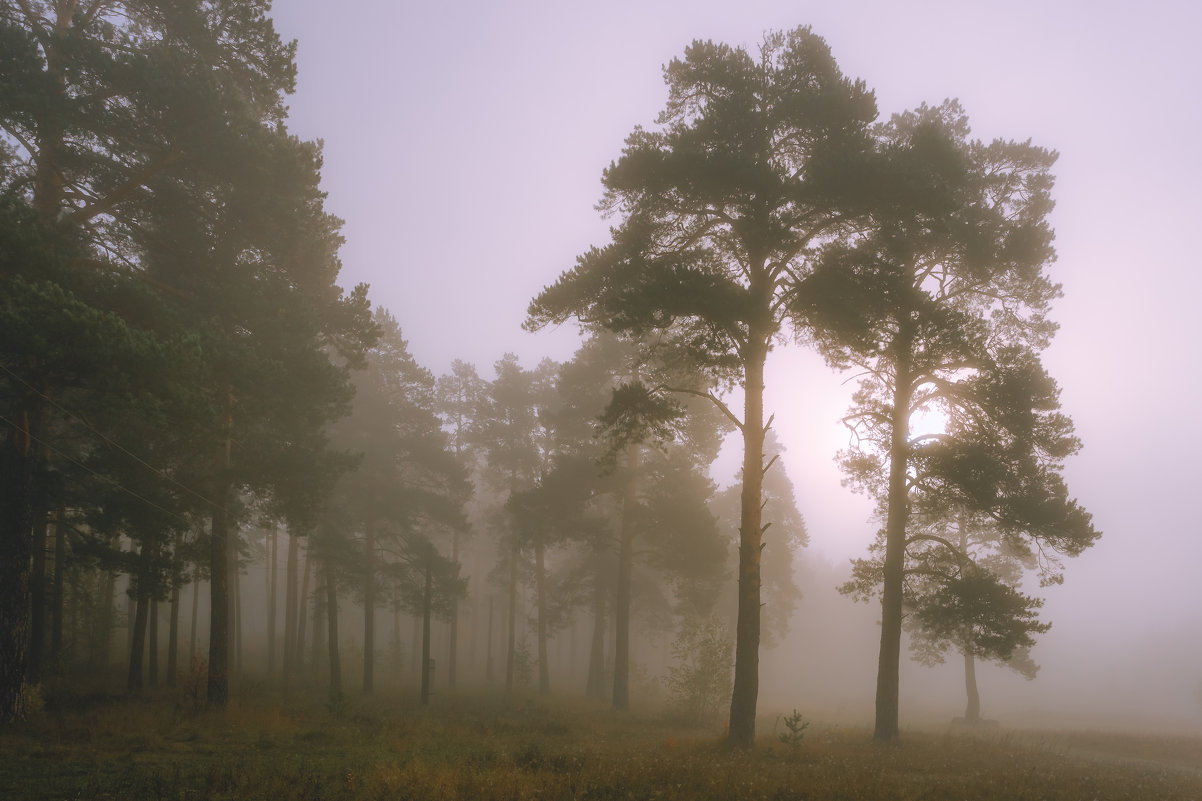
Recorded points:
(479, 747)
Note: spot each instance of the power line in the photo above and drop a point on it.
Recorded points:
(109, 441)
(99, 475)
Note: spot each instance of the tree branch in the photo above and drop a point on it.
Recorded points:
(713, 398)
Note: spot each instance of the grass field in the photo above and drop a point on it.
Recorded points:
(471, 746)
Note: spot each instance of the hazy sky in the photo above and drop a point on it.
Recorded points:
(464, 146)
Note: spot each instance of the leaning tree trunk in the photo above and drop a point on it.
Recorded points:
(745, 695)
(898, 504)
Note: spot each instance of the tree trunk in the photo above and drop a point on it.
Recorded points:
(745, 695)
(273, 577)
(173, 638)
(137, 639)
(972, 712)
(152, 637)
(37, 587)
(540, 581)
(427, 603)
(369, 608)
(17, 475)
(488, 673)
(332, 619)
(302, 610)
(194, 650)
(218, 689)
(889, 665)
(290, 590)
(511, 647)
(621, 698)
(319, 620)
(98, 651)
(236, 587)
(60, 567)
(453, 651)
(595, 685)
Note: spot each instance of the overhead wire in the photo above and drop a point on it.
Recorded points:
(109, 441)
(96, 473)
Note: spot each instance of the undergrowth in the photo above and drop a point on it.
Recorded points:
(291, 745)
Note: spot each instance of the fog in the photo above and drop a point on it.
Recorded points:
(464, 146)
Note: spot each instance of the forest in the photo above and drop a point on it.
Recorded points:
(229, 492)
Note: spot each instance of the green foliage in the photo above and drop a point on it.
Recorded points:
(795, 727)
(700, 681)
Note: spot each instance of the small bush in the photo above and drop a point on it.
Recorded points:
(701, 681)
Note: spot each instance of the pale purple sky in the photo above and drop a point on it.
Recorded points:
(464, 145)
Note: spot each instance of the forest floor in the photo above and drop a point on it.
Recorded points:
(278, 744)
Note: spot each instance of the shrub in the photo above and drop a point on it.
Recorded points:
(700, 681)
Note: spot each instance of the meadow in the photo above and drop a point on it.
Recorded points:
(278, 743)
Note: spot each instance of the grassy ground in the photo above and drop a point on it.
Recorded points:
(293, 746)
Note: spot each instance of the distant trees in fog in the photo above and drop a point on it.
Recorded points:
(182, 380)
(766, 201)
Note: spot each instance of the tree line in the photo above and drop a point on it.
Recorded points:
(179, 367)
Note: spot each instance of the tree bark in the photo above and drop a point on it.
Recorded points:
(453, 651)
(16, 529)
(173, 638)
(302, 610)
(427, 602)
(511, 648)
(236, 588)
(290, 610)
(273, 576)
(192, 633)
(488, 672)
(540, 581)
(37, 587)
(319, 621)
(621, 697)
(137, 639)
(152, 638)
(595, 684)
(332, 620)
(60, 567)
(745, 695)
(889, 664)
(369, 608)
(218, 689)
(972, 712)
